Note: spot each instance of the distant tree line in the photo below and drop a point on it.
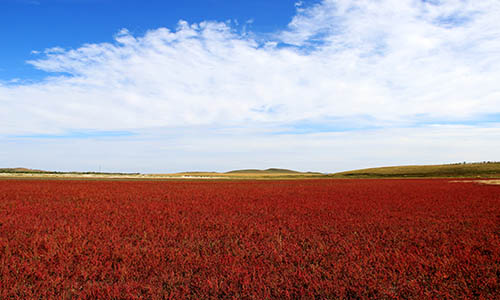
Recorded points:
(58, 172)
(480, 162)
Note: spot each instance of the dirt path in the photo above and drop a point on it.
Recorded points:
(495, 181)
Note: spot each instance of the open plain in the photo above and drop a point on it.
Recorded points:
(272, 239)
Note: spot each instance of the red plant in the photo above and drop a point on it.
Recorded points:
(324, 239)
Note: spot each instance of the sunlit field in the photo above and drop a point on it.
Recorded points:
(303, 239)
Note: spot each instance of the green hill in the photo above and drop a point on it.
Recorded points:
(458, 170)
(484, 169)
(19, 170)
(264, 172)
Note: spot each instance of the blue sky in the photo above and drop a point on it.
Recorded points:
(29, 25)
(324, 85)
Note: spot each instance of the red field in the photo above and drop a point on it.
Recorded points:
(323, 239)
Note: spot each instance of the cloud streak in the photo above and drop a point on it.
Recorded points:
(340, 64)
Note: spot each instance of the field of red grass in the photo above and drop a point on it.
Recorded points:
(309, 239)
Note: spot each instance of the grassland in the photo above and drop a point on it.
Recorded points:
(272, 173)
(303, 239)
(460, 170)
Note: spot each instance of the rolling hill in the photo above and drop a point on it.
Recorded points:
(484, 169)
(264, 172)
(20, 170)
(458, 170)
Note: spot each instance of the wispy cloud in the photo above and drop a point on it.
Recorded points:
(76, 135)
(370, 64)
(30, 2)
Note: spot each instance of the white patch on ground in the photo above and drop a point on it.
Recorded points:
(489, 181)
(496, 181)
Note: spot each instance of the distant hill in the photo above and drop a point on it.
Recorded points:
(31, 171)
(19, 170)
(483, 169)
(263, 172)
(457, 170)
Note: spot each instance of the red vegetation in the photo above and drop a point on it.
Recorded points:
(324, 239)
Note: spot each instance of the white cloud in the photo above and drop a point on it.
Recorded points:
(368, 63)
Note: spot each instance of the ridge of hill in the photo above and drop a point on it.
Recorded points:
(481, 169)
(20, 170)
(41, 172)
(457, 170)
(267, 171)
